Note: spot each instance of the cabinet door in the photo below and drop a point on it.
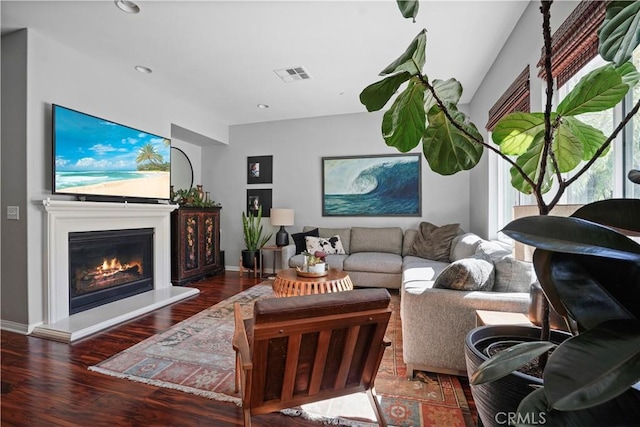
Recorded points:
(190, 229)
(210, 236)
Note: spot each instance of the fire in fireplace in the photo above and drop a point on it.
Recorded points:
(105, 266)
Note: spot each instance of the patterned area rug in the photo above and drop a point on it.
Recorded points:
(196, 356)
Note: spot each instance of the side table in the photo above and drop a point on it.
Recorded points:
(486, 317)
(274, 249)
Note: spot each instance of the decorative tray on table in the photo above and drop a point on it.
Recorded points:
(303, 273)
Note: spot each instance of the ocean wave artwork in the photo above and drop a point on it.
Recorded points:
(372, 185)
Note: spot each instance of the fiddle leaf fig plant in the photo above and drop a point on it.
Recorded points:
(541, 147)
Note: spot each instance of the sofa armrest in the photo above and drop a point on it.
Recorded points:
(287, 252)
(435, 322)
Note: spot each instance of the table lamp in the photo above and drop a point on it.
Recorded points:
(282, 217)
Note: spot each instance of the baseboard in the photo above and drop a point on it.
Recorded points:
(18, 328)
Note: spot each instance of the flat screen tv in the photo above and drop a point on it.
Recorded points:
(97, 159)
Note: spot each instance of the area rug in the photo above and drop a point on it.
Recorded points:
(195, 356)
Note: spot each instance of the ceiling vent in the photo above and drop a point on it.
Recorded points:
(293, 74)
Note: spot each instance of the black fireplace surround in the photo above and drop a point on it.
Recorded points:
(106, 266)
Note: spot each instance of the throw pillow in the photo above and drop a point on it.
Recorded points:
(467, 274)
(433, 242)
(329, 246)
(299, 239)
(513, 275)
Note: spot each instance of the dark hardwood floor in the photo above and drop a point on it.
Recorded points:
(47, 383)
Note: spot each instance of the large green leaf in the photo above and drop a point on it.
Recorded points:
(621, 411)
(449, 92)
(591, 138)
(599, 90)
(567, 148)
(620, 31)
(595, 366)
(409, 8)
(376, 95)
(630, 76)
(572, 235)
(404, 123)
(515, 132)
(509, 360)
(412, 60)
(446, 148)
(529, 162)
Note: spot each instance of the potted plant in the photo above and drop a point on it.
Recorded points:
(193, 197)
(590, 272)
(253, 238)
(315, 262)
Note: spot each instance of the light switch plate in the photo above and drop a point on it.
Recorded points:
(13, 212)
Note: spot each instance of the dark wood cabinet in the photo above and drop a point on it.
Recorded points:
(195, 244)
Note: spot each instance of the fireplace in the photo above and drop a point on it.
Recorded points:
(65, 218)
(105, 266)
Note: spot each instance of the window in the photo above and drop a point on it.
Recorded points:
(574, 46)
(597, 183)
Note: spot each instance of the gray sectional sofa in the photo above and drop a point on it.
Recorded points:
(435, 319)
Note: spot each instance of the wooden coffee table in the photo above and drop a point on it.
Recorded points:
(288, 283)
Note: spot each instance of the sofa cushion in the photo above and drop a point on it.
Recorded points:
(476, 273)
(332, 245)
(512, 275)
(374, 262)
(433, 242)
(464, 246)
(409, 236)
(299, 239)
(344, 233)
(494, 250)
(379, 239)
(416, 269)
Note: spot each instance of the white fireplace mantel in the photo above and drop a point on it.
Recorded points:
(64, 217)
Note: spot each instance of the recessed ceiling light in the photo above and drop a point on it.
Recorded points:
(263, 106)
(127, 6)
(142, 69)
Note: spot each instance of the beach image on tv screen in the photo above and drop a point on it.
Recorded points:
(94, 156)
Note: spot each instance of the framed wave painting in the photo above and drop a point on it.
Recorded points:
(382, 185)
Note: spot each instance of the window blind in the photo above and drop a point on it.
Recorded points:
(515, 98)
(575, 42)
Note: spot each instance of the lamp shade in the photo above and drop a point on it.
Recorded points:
(281, 216)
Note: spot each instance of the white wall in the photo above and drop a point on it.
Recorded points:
(297, 147)
(523, 47)
(194, 153)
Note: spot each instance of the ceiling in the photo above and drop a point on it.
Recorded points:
(221, 55)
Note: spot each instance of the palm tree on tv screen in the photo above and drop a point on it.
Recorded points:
(150, 156)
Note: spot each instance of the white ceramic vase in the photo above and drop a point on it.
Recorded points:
(317, 268)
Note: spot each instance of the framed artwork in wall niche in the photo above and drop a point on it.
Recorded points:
(257, 198)
(260, 170)
(379, 185)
